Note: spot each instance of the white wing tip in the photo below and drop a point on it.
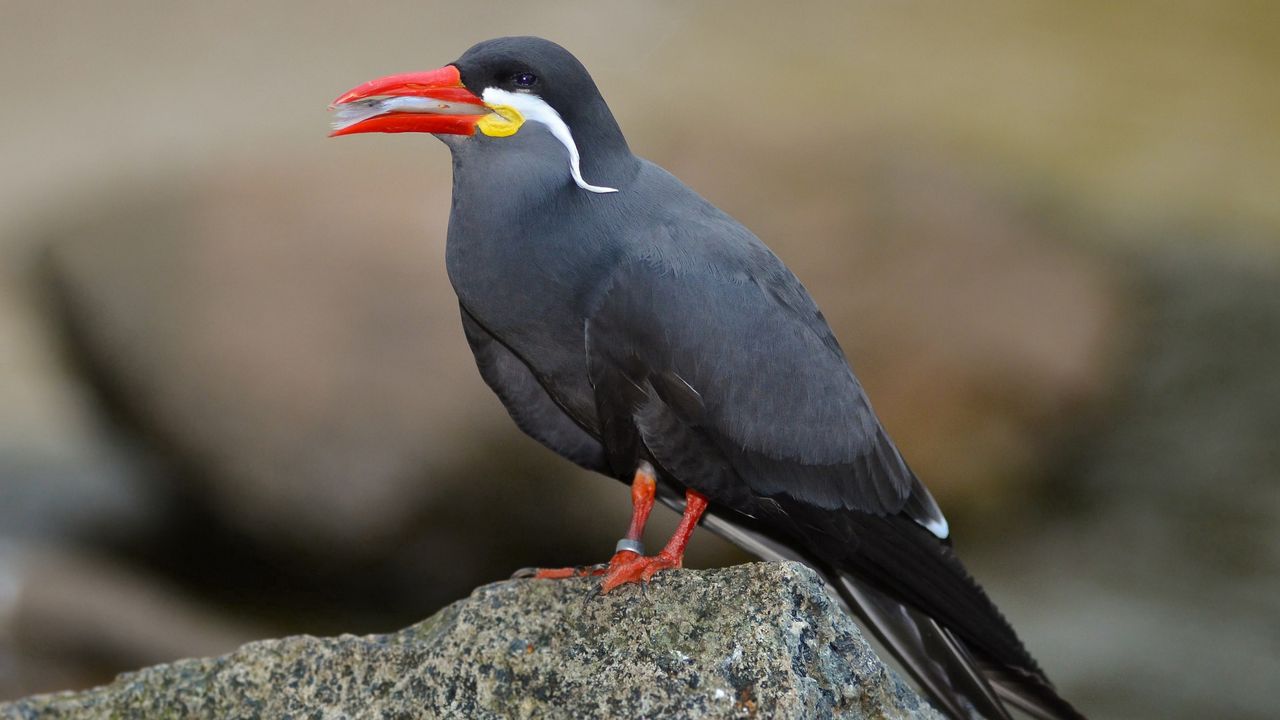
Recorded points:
(938, 527)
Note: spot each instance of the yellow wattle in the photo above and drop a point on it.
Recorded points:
(504, 121)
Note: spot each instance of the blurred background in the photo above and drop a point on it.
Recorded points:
(235, 399)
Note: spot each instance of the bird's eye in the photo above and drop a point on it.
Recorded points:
(524, 79)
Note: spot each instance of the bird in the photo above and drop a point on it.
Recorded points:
(637, 330)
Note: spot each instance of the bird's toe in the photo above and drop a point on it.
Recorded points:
(636, 569)
(564, 572)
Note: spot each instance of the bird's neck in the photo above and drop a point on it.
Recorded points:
(604, 149)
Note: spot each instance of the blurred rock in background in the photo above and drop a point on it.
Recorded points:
(1157, 594)
(235, 400)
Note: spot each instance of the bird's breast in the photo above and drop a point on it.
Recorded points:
(529, 287)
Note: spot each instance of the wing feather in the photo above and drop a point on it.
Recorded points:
(760, 380)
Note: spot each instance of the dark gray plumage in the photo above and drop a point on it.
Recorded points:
(648, 325)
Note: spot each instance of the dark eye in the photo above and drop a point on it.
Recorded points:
(524, 79)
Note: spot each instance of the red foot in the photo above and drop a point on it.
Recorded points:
(561, 573)
(638, 569)
(672, 556)
(626, 566)
(619, 558)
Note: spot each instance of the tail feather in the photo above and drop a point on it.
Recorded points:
(1030, 693)
(951, 674)
(955, 677)
(928, 652)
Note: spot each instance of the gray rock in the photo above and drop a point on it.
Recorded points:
(760, 640)
(272, 341)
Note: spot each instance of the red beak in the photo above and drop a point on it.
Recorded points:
(434, 101)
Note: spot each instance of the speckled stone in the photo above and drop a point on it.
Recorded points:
(754, 641)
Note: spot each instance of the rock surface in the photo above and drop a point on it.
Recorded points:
(760, 640)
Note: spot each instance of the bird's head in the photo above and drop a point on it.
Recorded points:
(493, 91)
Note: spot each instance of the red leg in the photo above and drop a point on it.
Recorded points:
(643, 490)
(672, 556)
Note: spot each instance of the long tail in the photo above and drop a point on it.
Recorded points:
(954, 677)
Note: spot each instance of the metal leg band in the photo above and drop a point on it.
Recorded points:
(630, 545)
